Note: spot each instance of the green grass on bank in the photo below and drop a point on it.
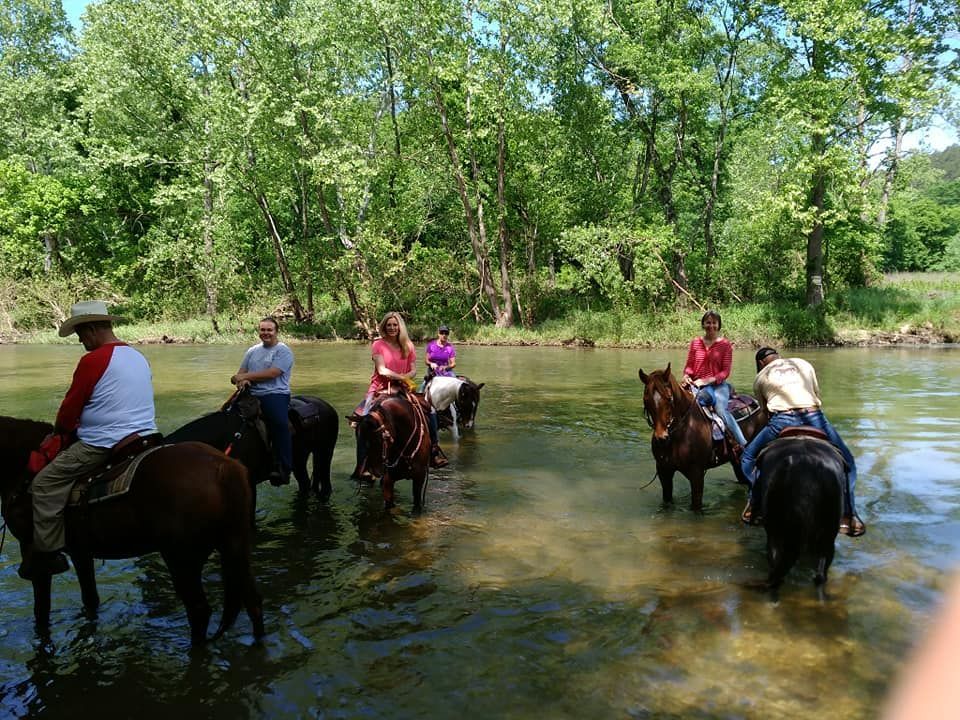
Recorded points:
(904, 308)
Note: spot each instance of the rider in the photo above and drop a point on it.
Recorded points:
(441, 355)
(265, 369)
(709, 361)
(788, 390)
(109, 399)
(394, 366)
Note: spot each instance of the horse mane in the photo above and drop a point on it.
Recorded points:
(665, 379)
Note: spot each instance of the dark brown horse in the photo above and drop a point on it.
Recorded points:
(682, 435)
(395, 443)
(185, 501)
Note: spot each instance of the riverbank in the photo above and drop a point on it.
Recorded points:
(904, 309)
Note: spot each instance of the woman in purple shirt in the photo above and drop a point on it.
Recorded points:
(441, 355)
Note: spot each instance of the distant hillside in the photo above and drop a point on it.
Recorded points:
(948, 161)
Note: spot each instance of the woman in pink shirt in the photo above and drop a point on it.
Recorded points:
(709, 361)
(394, 367)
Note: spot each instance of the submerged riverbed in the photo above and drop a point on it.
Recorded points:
(543, 579)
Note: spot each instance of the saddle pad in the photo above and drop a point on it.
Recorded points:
(743, 406)
(113, 482)
(303, 413)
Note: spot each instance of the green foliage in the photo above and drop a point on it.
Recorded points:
(589, 157)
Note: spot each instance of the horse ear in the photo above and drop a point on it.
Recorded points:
(480, 385)
(643, 376)
(667, 371)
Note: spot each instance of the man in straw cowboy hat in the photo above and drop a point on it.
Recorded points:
(109, 399)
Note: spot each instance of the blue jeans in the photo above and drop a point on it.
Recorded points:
(793, 418)
(720, 395)
(275, 410)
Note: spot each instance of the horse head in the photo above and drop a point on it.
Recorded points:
(374, 433)
(468, 399)
(664, 401)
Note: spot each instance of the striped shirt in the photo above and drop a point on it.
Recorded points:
(715, 361)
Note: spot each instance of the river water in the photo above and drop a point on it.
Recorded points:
(543, 580)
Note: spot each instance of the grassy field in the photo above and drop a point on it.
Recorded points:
(906, 308)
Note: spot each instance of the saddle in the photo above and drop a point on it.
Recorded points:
(303, 413)
(740, 406)
(114, 479)
(805, 431)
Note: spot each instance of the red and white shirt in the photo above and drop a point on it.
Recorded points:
(111, 396)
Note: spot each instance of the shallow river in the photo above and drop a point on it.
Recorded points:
(543, 580)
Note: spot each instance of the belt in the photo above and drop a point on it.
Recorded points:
(800, 411)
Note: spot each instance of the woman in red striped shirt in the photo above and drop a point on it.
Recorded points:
(709, 362)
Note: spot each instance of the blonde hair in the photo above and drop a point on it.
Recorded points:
(402, 337)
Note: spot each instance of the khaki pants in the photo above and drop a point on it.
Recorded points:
(51, 490)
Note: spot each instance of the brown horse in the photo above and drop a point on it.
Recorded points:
(184, 502)
(682, 434)
(397, 442)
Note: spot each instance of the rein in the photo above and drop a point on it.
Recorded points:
(385, 436)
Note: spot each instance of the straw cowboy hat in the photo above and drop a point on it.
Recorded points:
(86, 312)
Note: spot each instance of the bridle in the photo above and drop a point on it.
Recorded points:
(673, 424)
(418, 434)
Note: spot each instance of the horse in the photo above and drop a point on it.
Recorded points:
(682, 434)
(184, 501)
(314, 430)
(456, 400)
(804, 478)
(396, 441)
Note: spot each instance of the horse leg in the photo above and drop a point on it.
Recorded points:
(455, 429)
(781, 556)
(239, 586)
(83, 564)
(696, 491)
(300, 452)
(389, 497)
(42, 583)
(666, 483)
(322, 458)
(420, 488)
(186, 570)
(823, 562)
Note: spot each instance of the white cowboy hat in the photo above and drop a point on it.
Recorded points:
(86, 312)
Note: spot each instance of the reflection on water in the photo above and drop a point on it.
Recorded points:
(544, 579)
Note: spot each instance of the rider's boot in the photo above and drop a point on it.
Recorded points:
(437, 457)
(37, 563)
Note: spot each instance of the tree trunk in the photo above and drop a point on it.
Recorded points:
(474, 231)
(818, 191)
(209, 262)
(298, 314)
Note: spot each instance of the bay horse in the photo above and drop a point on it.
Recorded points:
(455, 399)
(185, 501)
(314, 428)
(395, 443)
(804, 478)
(682, 435)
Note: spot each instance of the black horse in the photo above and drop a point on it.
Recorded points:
(236, 430)
(804, 477)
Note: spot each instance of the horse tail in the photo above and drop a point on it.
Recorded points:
(239, 586)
